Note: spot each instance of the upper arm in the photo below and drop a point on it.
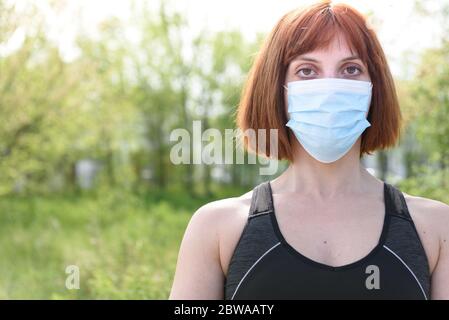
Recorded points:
(440, 275)
(432, 221)
(198, 272)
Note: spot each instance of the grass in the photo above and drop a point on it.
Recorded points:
(125, 245)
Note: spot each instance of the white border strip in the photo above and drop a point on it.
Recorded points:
(254, 264)
(425, 296)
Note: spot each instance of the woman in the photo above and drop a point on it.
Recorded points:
(325, 228)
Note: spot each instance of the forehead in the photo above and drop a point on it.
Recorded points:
(337, 48)
(338, 32)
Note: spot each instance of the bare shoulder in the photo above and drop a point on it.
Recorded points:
(222, 209)
(215, 213)
(431, 218)
(435, 213)
(226, 219)
(202, 258)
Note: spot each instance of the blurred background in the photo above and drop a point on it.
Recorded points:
(89, 93)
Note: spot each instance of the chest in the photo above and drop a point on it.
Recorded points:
(335, 232)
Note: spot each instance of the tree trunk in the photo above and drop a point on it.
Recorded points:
(382, 162)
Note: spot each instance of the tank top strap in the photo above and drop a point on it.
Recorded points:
(403, 240)
(395, 203)
(261, 201)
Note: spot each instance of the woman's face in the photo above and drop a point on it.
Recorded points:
(336, 61)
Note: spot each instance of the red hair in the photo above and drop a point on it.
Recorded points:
(303, 30)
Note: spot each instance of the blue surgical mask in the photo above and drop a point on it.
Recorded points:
(328, 115)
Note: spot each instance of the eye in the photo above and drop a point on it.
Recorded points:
(352, 70)
(306, 72)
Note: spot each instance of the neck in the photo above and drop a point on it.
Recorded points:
(326, 180)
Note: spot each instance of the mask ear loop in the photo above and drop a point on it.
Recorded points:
(285, 87)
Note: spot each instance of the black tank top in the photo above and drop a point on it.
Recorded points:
(265, 266)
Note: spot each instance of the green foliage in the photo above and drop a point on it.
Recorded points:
(124, 245)
(427, 183)
(425, 99)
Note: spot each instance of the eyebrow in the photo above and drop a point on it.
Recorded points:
(315, 60)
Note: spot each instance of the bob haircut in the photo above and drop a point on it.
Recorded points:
(262, 104)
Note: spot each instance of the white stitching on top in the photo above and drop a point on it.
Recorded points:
(259, 214)
(420, 286)
(254, 264)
